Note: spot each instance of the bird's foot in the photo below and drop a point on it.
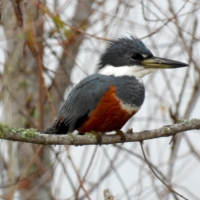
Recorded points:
(122, 135)
(130, 131)
(98, 136)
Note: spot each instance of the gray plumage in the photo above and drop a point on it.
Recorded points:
(84, 98)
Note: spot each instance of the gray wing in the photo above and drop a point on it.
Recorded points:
(81, 101)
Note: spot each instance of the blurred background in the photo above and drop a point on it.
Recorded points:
(47, 47)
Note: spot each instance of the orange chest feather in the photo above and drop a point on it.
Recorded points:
(109, 114)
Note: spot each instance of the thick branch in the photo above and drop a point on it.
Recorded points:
(32, 136)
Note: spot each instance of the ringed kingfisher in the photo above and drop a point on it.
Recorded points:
(105, 101)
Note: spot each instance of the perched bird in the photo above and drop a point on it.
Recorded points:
(105, 101)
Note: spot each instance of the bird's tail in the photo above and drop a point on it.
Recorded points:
(51, 130)
(58, 127)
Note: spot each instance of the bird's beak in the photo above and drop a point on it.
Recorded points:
(156, 62)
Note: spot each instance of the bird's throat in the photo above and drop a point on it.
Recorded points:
(136, 71)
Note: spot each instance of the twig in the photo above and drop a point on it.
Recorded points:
(158, 176)
(78, 176)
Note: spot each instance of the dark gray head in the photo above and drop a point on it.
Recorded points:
(125, 52)
(129, 56)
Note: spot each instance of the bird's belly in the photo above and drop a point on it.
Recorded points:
(110, 114)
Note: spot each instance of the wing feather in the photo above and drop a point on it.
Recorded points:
(82, 100)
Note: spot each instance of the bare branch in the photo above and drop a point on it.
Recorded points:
(158, 176)
(32, 136)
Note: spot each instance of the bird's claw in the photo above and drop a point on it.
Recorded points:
(130, 131)
(122, 135)
(98, 136)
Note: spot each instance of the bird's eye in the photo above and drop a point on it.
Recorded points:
(136, 56)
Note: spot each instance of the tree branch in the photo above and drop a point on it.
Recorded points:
(32, 136)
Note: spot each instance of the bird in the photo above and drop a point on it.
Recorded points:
(105, 101)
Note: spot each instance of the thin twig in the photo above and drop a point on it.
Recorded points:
(157, 175)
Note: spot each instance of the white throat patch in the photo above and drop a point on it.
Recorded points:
(137, 71)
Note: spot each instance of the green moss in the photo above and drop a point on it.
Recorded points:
(167, 129)
(25, 133)
(4, 129)
(194, 120)
(90, 135)
(182, 121)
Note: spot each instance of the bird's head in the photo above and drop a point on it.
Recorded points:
(129, 56)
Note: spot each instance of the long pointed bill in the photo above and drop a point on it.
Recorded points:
(156, 62)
